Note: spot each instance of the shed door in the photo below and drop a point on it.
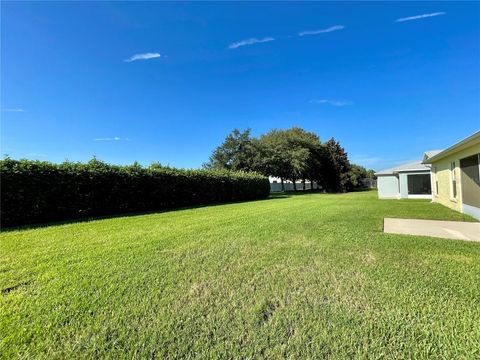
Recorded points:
(471, 180)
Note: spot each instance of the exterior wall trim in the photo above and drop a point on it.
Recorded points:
(461, 145)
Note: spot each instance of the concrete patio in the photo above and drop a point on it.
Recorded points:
(442, 229)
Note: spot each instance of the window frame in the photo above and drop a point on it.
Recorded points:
(453, 181)
(435, 183)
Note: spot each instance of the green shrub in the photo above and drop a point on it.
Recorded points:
(37, 192)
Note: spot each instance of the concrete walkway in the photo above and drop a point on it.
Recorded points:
(443, 229)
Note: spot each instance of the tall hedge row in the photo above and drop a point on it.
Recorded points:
(38, 192)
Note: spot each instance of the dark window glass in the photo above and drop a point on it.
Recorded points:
(419, 184)
(470, 168)
(470, 180)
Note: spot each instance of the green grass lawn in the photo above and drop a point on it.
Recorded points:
(307, 276)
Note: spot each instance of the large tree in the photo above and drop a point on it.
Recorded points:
(238, 152)
(291, 154)
(337, 166)
(359, 177)
(356, 175)
(306, 147)
(274, 157)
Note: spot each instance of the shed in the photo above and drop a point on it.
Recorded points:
(407, 181)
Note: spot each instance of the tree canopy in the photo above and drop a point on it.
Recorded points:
(237, 152)
(289, 154)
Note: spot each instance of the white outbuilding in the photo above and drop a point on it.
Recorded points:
(407, 181)
(277, 186)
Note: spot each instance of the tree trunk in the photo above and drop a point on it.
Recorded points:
(283, 185)
(294, 185)
(304, 186)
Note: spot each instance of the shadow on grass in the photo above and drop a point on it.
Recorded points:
(287, 194)
(272, 196)
(130, 214)
(308, 192)
(363, 190)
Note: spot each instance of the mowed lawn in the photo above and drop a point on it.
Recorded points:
(304, 276)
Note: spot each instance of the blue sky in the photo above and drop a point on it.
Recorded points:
(167, 81)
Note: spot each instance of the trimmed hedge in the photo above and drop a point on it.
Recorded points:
(39, 192)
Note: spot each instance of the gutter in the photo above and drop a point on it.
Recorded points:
(451, 149)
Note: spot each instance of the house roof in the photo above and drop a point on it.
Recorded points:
(462, 144)
(430, 153)
(411, 166)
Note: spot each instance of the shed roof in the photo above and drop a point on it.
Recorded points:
(411, 166)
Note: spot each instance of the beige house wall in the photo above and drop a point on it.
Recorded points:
(442, 178)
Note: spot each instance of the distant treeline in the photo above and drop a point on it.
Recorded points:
(37, 192)
(292, 154)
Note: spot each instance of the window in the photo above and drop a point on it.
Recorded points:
(436, 181)
(470, 170)
(419, 184)
(453, 177)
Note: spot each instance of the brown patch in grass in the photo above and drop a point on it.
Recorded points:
(367, 256)
(460, 258)
(348, 290)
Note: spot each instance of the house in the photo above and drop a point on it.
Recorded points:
(456, 175)
(407, 181)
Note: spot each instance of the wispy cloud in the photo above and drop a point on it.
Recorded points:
(332, 102)
(33, 154)
(13, 110)
(250, 41)
(322, 31)
(115, 138)
(416, 17)
(145, 56)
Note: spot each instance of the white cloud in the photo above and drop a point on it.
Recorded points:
(332, 102)
(250, 41)
(322, 31)
(144, 56)
(13, 110)
(416, 17)
(115, 138)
